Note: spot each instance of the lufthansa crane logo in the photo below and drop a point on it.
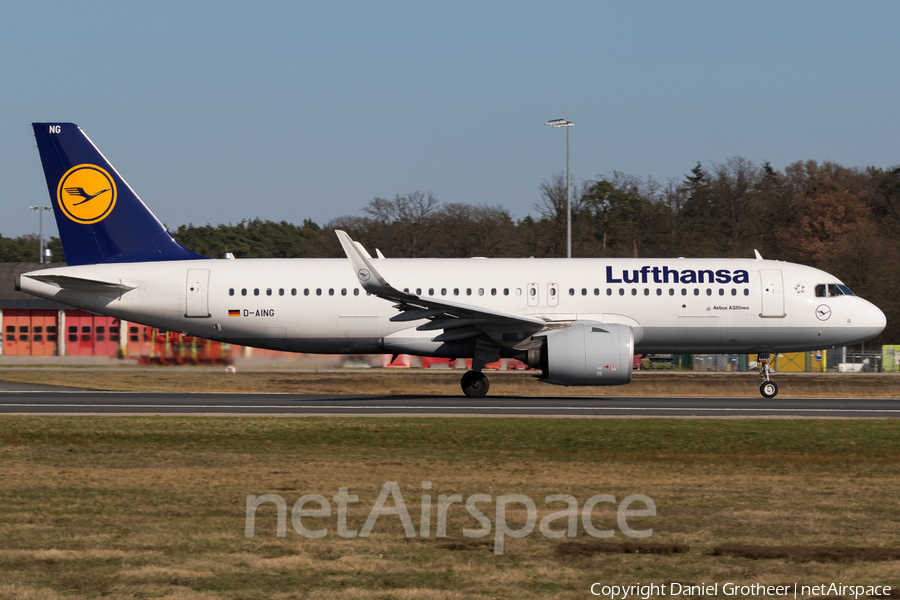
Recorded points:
(86, 194)
(823, 312)
(363, 274)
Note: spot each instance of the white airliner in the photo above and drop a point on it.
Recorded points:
(578, 320)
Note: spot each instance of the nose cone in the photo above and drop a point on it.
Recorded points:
(874, 320)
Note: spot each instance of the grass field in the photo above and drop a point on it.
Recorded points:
(155, 507)
(446, 382)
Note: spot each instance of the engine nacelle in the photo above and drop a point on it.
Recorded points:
(587, 353)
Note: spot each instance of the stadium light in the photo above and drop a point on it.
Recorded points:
(566, 123)
(40, 211)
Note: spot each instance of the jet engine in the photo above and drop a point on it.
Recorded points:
(587, 353)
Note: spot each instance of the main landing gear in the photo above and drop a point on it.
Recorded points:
(475, 384)
(767, 388)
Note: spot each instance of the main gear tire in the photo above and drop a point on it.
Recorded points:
(475, 384)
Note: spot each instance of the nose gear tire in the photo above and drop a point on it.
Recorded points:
(768, 389)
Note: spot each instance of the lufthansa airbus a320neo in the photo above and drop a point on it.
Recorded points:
(579, 321)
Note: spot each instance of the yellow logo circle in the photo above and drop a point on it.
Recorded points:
(86, 194)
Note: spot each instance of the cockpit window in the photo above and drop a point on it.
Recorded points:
(832, 289)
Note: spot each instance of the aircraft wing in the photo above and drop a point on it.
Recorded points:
(458, 321)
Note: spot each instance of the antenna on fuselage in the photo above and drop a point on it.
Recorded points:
(758, 255)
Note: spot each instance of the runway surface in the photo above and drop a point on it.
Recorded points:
(33, 399)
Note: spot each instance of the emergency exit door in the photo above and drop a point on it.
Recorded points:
(772, 293)
(197, 293)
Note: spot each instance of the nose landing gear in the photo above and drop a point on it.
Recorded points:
(768, 388)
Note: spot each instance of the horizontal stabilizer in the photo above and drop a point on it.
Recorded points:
(84, 285)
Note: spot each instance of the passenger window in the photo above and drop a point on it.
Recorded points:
(733, 292)
(493, 291)
(481, 291)
(721, 291)
(820, 291)
(518, 291)
(331, 291)
(584, 291)
(269, 292)
(571, 291)
(696, 291)
(708, 292)
(405, 290)
(256, 291)
(646, 291)
(318, 291)
(671, 291)
(306, 291)
(506, 291)
(659, 291)
(431, 291)
(443, 291)
(293, 291)
(621, 292)
(281, 291)
(343, 291)
(609, 291)
(231, 291)
(634, 291)
(468, 291)
(596, 291)
(356, 291)
(244, 292)
(746, 292)
(684, 291)
(418, 291)
(456, 291)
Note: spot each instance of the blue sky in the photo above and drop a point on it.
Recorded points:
(221, 111)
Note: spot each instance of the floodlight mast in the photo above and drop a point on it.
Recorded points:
(566, 123)
(40, 211)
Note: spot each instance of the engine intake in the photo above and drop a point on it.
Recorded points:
(587, 353)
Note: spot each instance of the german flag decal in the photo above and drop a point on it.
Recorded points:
(234, 313)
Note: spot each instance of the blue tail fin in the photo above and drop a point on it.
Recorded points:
(100, 218)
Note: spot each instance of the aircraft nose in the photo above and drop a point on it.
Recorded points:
(874, 320)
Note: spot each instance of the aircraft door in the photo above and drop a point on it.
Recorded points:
(533, 294)
(552, 294)
(772, 293)
(197, 293)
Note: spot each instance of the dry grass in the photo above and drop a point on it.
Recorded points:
(446, 383)
(842, 554)
(124, 507)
